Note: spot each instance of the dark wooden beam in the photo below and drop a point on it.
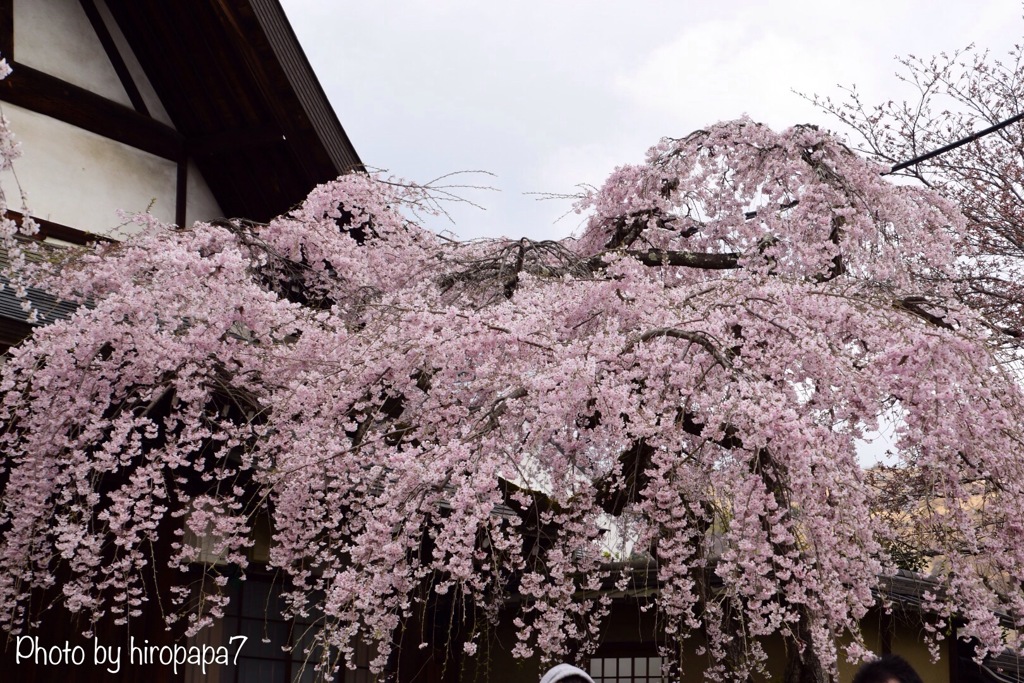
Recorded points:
(60, 232)
(886, 627)
(110, 47)
(45, 94)
(181, 193)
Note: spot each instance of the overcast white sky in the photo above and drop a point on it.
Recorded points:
(547, 95)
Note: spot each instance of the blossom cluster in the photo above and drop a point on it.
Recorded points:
(420, 418)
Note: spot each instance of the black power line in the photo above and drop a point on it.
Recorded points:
(954, 145)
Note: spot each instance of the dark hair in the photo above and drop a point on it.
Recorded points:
(886, 669)
(573, 678)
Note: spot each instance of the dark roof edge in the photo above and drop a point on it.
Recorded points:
(307, 87)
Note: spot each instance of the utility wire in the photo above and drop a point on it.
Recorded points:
(954, 145)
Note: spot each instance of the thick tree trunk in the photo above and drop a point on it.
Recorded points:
(803, 665)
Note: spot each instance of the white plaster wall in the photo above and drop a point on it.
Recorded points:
(81, 179)
(200, 204)
(55, 36)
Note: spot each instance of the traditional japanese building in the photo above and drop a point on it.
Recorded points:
(191, 110)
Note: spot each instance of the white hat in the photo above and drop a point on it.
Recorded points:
(561, 671)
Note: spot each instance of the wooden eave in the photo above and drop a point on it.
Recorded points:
(238, 87)
(245, 103)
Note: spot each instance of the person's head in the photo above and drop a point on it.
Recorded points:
(566, 673)
(887, 669)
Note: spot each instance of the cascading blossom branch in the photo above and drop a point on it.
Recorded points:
(417, 417)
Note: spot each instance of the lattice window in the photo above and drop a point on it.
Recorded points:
(255, 612)
(626, 669)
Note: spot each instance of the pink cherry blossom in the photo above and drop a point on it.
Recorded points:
(523, 426)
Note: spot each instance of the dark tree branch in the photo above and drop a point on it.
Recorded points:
(915, 305)
(699, 338)
(686, 259)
